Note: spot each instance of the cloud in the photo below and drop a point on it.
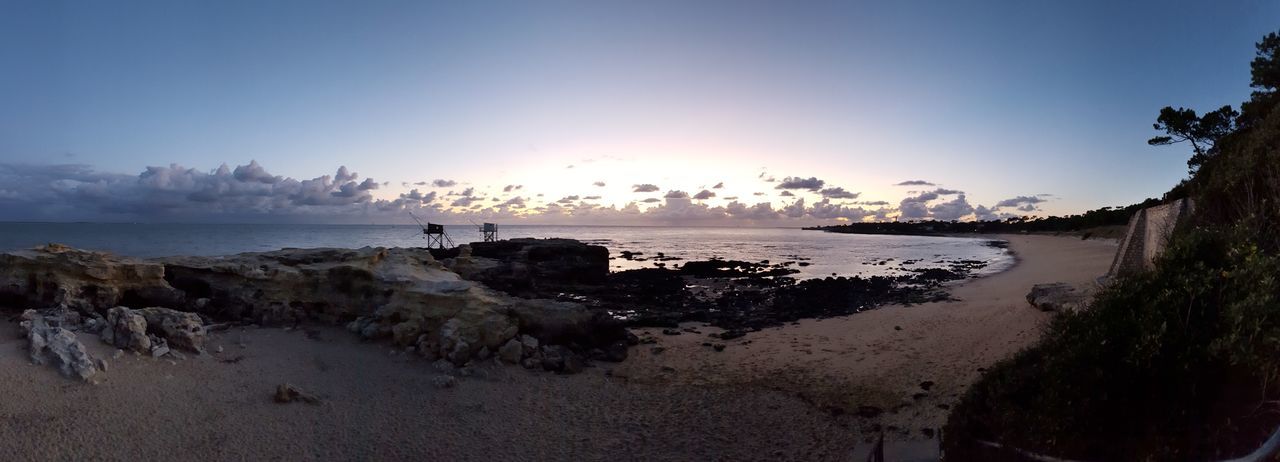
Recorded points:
(947, 192)
(704, 195)
(591, 198)
(78, 192)
(795, 182)
(787, 194)
(952, 210)
(914, 183)
(874, 203)
(838, 193)
(1020, 201)
(599, 184)
(255, 173)
(420, 183)
(758, 193)
(676, 194)
(512, 187)
(444, 183)
(568, 199)
(651, 200)
(644, 188)
(731, 198)
(718, 185)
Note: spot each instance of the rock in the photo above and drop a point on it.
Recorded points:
(926, 385)
(102, 365)
(398, 293)
(511, 352)
(1056, 296)
(126, 330)
(180, 329)
(286, 393)
(516, 265)
(529, 344)
(670, 332)
(118, 354)
(573, 364)
(718, 347)
(59, 347)
(159, 347)
(552, 357)
(57, 275)
(444, 381)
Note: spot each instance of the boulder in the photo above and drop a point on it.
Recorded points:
(59, 347)
(57, 275)
(181, 330)
(1057, 297)
(126, 330)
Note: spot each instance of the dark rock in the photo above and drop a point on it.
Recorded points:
(926, 385)
(718, 347)
(1056, 297)
(528, 263)
(670, 332)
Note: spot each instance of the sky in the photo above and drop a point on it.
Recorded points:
(734, 113)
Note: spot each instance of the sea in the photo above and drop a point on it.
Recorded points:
(817, 254)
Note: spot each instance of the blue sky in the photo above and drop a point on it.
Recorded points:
(1051, 100)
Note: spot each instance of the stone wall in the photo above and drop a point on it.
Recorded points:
(1149, 231)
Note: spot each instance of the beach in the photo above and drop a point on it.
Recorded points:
(817, 389)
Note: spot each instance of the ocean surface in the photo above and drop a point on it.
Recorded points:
(825, 254)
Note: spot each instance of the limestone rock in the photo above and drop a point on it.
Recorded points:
(181, 330)
(126, 330)
(59, 347)
(57, 275)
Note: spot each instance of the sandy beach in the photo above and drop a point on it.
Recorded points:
(787, 393)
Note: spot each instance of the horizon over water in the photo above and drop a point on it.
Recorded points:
(825, 254)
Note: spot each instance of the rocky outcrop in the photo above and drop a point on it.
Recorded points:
(57, 346)
(1057, 297)
(401, 295)
(57, 275)
(519, 265)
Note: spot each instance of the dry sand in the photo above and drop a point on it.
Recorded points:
(762, 400)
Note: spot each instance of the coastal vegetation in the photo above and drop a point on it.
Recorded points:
(1176, 363)
(1085, 222)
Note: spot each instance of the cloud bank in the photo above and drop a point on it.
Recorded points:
(250, 193)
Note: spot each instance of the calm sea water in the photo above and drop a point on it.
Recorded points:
(826, 253)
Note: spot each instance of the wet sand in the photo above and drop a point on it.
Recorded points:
(791, 393)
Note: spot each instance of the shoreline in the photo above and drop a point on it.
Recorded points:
(816, 389)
